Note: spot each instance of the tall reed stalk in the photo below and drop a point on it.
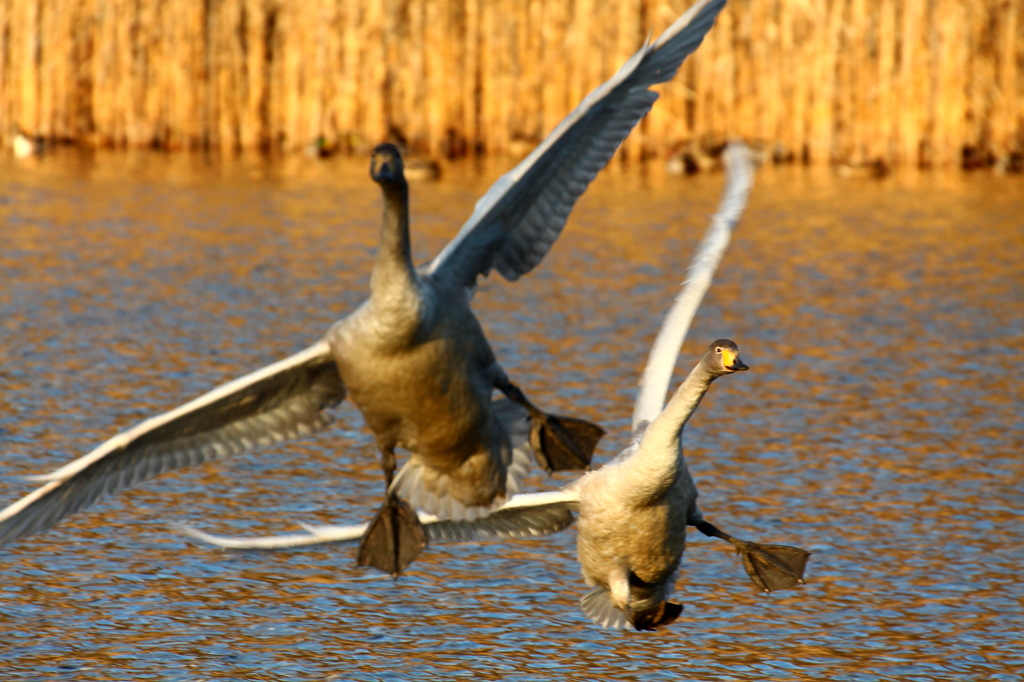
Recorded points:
(849, 81)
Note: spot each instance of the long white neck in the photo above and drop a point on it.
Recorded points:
(653, 469)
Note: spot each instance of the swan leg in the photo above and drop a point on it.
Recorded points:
(395, 536)
(770, 567)
(559, 443)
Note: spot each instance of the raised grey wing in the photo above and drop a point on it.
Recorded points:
(650, 399)
(515, 223)
(523, 516)
(280, 402)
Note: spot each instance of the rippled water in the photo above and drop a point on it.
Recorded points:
(880, 426)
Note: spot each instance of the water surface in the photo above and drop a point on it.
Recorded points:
(880, 426)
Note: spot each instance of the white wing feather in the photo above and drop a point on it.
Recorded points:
(523, 516)
(280, 402)
(657, 374)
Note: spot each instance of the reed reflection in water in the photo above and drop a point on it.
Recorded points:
(880, 425)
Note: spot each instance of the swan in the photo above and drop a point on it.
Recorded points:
(633, 514)
(412, 358)
(633, 511)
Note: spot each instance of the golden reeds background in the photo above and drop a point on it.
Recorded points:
(930, 82)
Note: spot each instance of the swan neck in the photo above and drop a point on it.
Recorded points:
(658, 466)
(662, 441)
(394, 257)
(686, 399)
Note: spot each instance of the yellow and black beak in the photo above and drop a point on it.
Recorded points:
(731, 361)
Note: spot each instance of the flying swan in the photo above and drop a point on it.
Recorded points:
(412, 358)
(633, 511)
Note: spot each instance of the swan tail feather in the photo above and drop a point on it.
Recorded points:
(435, 492)
(483, 482)
(597, 605)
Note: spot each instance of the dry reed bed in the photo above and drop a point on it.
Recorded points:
(849, 81)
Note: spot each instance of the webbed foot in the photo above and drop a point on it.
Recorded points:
(393, 539)
(773, 567)
(563, 443)
(770, 567)
(559, 443)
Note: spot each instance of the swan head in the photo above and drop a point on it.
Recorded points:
(723, 357)
(386, 166)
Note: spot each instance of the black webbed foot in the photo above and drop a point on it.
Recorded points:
(770, 567)
(563, 443)
(774, 567)
(393, 539)
(559, 443)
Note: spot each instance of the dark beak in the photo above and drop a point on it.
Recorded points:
(381, 170)
(737, 365)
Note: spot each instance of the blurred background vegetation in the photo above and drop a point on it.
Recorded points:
(854, 82)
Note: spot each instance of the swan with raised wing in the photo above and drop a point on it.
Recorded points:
(634, 511)
(412, 358)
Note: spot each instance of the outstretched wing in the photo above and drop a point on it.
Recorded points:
(515, 223)
(650, 400)
(280, 402)
(523, 516)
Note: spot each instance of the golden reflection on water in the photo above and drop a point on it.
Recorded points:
(880, 425)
